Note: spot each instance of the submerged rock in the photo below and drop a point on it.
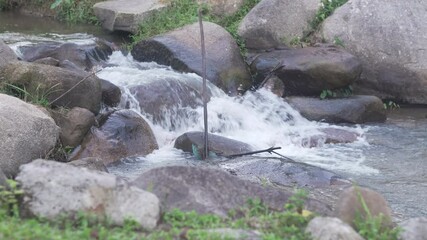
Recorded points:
(308, 71)
(180, 49)
(388, 36)
(355, 109)
(272, 23)
(283, 172)
(212, 190)
(219, 145)
(167, 100)
(82, 57)
(124, 134)
(26, 133)
(53, 189)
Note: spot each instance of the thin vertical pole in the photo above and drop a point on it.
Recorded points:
(204, 94)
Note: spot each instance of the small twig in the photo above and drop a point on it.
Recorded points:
(69, 90)
(269, 150)
(270, 73)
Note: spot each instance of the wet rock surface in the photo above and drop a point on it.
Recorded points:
(283, 172)
(83, 57)
(167, 100)
(355, 109)
(124, 134)
(219, 145)
(225, 66)
(90, 163)
(307, 71)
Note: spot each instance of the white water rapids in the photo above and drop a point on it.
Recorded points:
(257, 118)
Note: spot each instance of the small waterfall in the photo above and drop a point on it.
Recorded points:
(259, 118)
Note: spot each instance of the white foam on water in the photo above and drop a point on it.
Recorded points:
(258, 118)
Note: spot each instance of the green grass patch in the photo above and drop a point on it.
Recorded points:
(288, 224)
(75, 11)
(183, 12)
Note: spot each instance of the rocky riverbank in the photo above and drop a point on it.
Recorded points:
(81, 113)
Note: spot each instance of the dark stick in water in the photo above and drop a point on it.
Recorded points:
(205, 104)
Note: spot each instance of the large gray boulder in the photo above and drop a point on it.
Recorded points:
(124, 134)
(350, 205)
(44, 81)
(26, 133)
(53, 189)
(125, 15)
(7, 55)
(414, 229)
(181, 50)
(272, 23)
(328, 228)
(389, 38)
(211, 190)
(219, 145)
(355, 109)
(308, 71)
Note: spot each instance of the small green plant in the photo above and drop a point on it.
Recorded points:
(9, 198)
(75, 11)
(327, 8)
(391, 105)
(338, 41)
(38, 95)
(373, 227)
(337, 93)
(183, 12)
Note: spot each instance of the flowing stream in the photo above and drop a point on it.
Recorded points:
(390, 158)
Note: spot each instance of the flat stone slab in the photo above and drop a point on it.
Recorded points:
(125, 15)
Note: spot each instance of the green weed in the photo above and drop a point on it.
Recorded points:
(286, 224)
(373, 227)
(38, 96)
(183, 12)
(327, 8)
(9, 198)
(75, 11)
(337, 93)
(391, 105)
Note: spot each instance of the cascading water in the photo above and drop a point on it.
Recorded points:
(390, 157)
(259, 118)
